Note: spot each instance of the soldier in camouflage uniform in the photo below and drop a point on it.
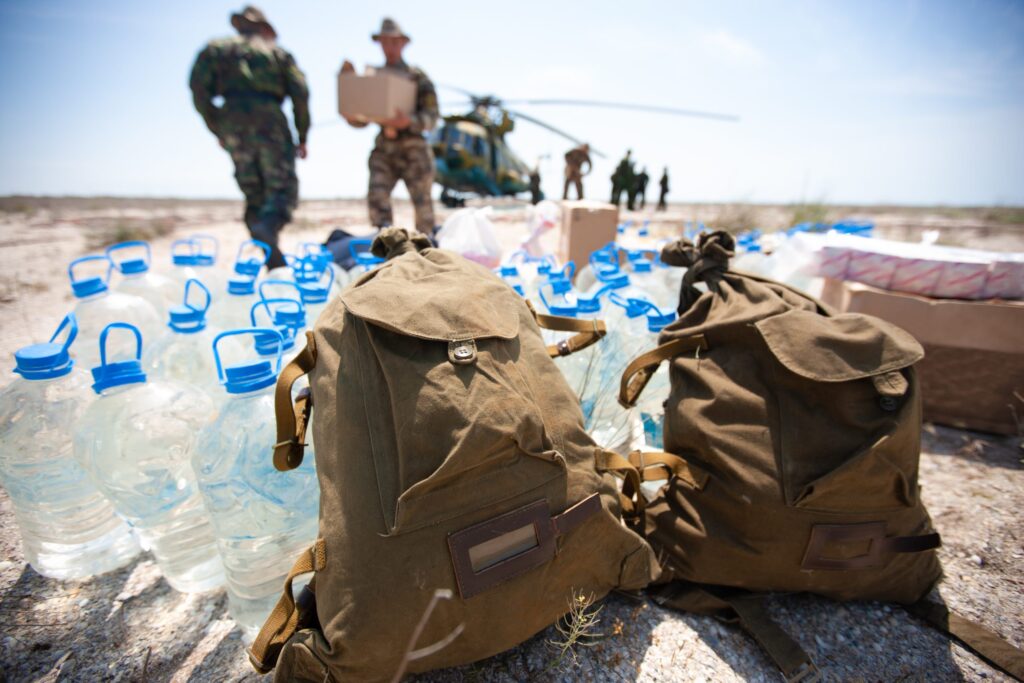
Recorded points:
(574, 160)
(254, 75)
(623, 179)
(401, 152)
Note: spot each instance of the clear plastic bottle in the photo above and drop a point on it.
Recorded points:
(136, 442)
(251, 257)
(68, 529)
(196, 257)
(132, 260)
(231, 311)
(286, 316)
(97, 307)
(263, 518)
(510, 274)
(313, 292)
(186, 353)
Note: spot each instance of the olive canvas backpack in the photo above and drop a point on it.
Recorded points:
(463, 506)
(792, 438)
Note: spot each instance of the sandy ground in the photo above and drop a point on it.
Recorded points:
(130, 625)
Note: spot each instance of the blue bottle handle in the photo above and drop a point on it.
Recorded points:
(265, 305)
(200, 238)
(129, 245)
(262, 246)
(189, 242)
(254, 331)
(123, 326)
(69, 321)
(281, 283)
(88, 259)
(188, 287)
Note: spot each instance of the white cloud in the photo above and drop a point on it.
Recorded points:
(722, 43)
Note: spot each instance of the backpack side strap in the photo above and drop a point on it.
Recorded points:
(640, 370)
(284, 619)
(747, 609)
(983, 642)
(631, 501)
(293, 420)
(589, 332)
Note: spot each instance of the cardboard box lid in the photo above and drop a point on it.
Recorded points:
(985, 325)
(588, 205)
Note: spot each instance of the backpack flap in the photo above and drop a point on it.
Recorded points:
(847, 413)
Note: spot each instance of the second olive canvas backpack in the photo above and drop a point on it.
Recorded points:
(793, 435)
(463, 506)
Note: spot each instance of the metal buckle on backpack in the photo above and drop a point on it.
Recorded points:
(462, 352)
(824, 534)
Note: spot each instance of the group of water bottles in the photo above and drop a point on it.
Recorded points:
(636, 295)
(147, 420)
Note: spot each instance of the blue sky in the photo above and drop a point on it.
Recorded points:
(871, 101)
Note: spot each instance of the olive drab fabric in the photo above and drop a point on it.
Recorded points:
(463, 505)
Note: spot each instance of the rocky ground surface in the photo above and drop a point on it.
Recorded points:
(131, 626)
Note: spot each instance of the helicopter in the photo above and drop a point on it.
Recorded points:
(472, 156)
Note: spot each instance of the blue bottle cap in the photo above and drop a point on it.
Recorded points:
(207, 247)
(242, 286)
(88, 286)
(282, 312)
(317, 291)
(188, 318)
(267, 344)
(250, 375)
(250, 265)
(133, 265)
(634, 307)
(562, 306)
(559, 285)
(616, 279)
(107, 375)
(185, 252)
(588, 304)
(656, 320)
(509, 270)
(642, 265)
(50, 359)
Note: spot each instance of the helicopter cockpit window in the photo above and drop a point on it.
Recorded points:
(479, 147)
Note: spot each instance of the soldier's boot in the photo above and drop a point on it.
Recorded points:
(266, 230)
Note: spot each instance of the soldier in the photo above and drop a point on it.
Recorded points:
(535, 192)
(574, 160)
(664, 190)
(254, 75)
(640, 188)
(400, 151)
(622, 179)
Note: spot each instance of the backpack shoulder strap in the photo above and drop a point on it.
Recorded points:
(589, 332)
(292, 420)
(981, 641)
(640, 370)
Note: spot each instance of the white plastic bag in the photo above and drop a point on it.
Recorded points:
(541, 218)
(470, 232)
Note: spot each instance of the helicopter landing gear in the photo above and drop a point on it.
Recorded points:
(451, 200)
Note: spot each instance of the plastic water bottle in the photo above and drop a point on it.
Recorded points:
(132, 260)
(185, 354)
(263, 518)
(315, 293)
(288, 317)
(251, 257)
(196, 258)
(136, 442)
(68, 529)
(510, 274)
(97, 307)
(318, 258)
(231, 311)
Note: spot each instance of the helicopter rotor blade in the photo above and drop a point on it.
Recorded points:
(634, 107)
(471, 95)
(556, 131)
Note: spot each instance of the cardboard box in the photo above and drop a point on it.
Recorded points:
(586, 226)
(972, 375)
(375, 94)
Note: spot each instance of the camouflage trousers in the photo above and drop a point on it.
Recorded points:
(573, 177)
(264, 156)
(410, 160)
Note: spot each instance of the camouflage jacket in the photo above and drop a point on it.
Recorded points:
(250, 72)
(576, 157)
(425, 117)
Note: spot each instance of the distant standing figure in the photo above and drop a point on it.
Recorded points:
(622, 178)
(574, 160)
(254, 75)
(400, 151)
(640, 188)
(662, 205)
(535, 193)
